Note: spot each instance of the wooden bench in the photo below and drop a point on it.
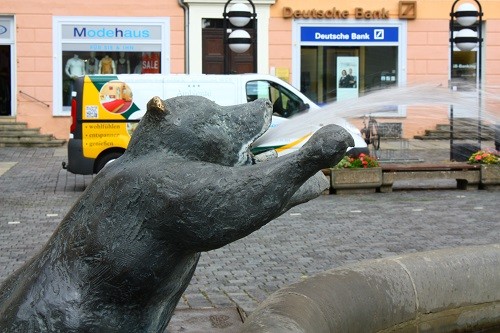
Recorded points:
(466, 175)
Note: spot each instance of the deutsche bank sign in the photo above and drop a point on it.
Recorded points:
(349, 34)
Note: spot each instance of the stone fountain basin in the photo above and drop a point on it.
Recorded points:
(448, 290)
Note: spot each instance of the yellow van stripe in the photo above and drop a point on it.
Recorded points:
(293, 143)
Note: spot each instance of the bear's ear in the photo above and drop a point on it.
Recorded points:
(156, 107)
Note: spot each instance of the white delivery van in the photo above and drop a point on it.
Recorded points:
(105, 110)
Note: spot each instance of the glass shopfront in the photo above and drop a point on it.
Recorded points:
(324, 77)
(340, 61)
(6, 65)
(106, 46)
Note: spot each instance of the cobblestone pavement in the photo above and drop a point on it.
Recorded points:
(333, 230)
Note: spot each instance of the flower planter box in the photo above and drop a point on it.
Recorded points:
(344, 181)
(490, 176)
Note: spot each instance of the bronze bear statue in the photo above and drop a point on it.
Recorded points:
(123, 255)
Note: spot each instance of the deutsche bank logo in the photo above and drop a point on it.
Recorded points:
(378, 34)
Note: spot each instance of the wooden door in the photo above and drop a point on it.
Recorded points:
(213, 55)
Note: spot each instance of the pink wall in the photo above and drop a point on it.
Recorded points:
(280, 49)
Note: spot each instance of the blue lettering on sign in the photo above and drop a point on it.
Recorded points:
(3, 29)
(349, 34)
(111, 33)
(111, 47)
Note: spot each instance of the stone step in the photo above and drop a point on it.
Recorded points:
(41, 144)
(21, 136)
(456, 128)
(7, 119)
(467, 133)
(470, 136)
(17, 134)
(12, 126)
(462, 129)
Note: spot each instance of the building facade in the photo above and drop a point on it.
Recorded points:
(44, 46)
(313, 45)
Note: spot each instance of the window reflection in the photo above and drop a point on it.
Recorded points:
(78, 63)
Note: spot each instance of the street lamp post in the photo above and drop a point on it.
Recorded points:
(466, 37)
(239, 40)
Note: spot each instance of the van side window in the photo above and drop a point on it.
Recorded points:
(285, 103)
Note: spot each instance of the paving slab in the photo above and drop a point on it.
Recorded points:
(5, 166)
(222, 320)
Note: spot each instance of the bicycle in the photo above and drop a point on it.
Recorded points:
(370, 133)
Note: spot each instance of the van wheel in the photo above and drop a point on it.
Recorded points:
(102, 161)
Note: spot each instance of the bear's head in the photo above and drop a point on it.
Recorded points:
(195, 128)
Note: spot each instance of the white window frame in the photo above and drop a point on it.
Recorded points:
(59, 21)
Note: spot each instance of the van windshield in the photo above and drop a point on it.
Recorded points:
(285, 102)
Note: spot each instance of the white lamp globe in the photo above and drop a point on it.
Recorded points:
(242, 45)
(465, 46)
(467, 21)
(239, 21)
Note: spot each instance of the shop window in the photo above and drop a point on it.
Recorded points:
(464, 70)
(108, 46)
(464, 64)
(324, 77)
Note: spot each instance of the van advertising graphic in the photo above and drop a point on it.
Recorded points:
(116, 97)
(110, 114)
